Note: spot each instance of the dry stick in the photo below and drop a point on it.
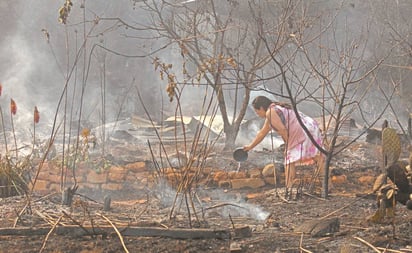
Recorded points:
(187, 207)
(14, 134)
(20, 214)
(155, 163)
(163, 225)
(367, 244)
(406, 250)
(345, 206)
(283, 199)
(315, 175)
(300, 245)
(304, 250)
(201, 206)
(4, 132)
(187, 182)
(45, 197)
(44, 217)
(18, 217)
(231, 221)
(117, 231)
(48, 234)
(77, 223)
(223, 204)
(193, 204)
(313, 196)
(160, 143)
(184, 187)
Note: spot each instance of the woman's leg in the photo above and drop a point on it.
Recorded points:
(290, 173)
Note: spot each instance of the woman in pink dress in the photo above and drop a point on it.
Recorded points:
(299, 149)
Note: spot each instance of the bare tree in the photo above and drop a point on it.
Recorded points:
(220, 47)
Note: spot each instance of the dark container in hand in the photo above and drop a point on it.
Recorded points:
(240, 155)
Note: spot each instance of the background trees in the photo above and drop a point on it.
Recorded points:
(219, 46)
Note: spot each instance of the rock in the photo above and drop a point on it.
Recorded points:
(237, 174)
(268, 170)
(136, 167)
(253, 183)
(258, 195)
(243, 232)
(117, 174)
(341, 179)
(255, 173)
(409, 204)
(220, 175)
(270, 180)
(319, 227)
(367, 180)
(224, 184)
(235, 247)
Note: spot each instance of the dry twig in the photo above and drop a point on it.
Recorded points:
(117, 231)
(223, 204)
(44, 217)
(344, 207)
(21, 213)
(48, 234)
(300, 245)
(367, 244)
(77, 223)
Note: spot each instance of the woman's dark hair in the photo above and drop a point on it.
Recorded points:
(264, 102)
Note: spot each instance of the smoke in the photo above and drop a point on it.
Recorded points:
(224, 204)
(34, 66)
(28, 73)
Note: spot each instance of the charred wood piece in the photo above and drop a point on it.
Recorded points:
(67, 195)
(177, 233)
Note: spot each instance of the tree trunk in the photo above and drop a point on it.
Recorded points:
(325, 182)
(231, 135)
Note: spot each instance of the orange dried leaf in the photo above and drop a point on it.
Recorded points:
(36, 115)
(1, 88)
(231, 62)
(13, 107)
(85, 132)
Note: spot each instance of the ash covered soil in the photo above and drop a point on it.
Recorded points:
(270, 222)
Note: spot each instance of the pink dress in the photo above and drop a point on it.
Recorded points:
(299, 147)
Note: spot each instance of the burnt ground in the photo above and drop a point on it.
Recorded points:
(270, 222)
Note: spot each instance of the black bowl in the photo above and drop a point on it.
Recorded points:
(240, 155)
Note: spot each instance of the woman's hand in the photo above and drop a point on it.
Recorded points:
(247, 147)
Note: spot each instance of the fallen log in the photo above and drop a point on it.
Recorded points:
(176, 233)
